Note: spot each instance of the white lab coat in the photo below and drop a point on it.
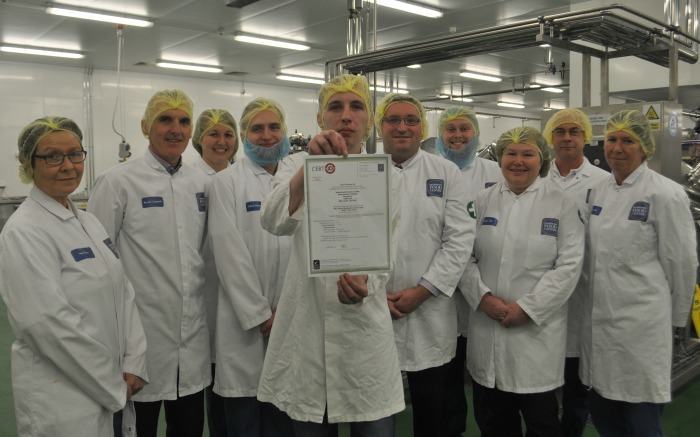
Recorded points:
(71, 309)
(321, 352)
(435, 238)
(577, 186)
(252, 264)
(157, 222)
(642, 281)
(480, 174)
(528, 249)
(211, 279)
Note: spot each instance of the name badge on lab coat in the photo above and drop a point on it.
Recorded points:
(435, 187)
(639, 211)
(489, 221)
(550, 226)
(152, 202)
(596, 210)
(253, 206)
(82, 253)
(110, 245)
(201, 202)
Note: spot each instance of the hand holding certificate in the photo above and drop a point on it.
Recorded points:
(347, 205)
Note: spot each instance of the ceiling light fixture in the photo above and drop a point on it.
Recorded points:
(409, 7)
(414, 66)
(511, 105)
(97, 15)
(534, 85)
(189, 67)
(462, 99)
(28, 50)
(546, 109)
(313, 80)
(382, 89)
(255, 39)
(550, 89)
(479, 76)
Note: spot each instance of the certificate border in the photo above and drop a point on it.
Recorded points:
(379, 159)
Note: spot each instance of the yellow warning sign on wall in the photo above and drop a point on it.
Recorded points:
(651, 112)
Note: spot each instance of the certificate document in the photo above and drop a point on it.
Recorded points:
(347, 206)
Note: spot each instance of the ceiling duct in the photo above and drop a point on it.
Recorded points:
(239, 3)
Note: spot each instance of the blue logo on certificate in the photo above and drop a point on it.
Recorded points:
(639, 211)
(201, 202)
(110, 245)
(380, 168)
(435, 187)
(550, 226)
(82, 253)
(596, 210)
(253, 206)
(152, 202)
(489, 221)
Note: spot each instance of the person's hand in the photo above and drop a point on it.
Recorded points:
(352, 289)
(407, 301)
(134, 384)
(266, 326)
(493, 307)
(328, 142)
(515, 317)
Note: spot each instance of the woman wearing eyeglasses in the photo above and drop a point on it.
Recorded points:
(642, 267)
(79, 352)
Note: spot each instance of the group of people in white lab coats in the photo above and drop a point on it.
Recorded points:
(184, 282)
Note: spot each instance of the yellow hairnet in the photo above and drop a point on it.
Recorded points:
(345, 83)
(392, 98)
(207, 120)
(568, 116)
(635, 124)
(160, 102)
(525, 135)
(32, 133)
(255, 107)
(455, 113)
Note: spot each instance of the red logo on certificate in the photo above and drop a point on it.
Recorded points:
(330, 168)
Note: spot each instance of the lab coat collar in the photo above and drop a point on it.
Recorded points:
(159, 164)
(409, 162)
(255, 167)
(631, 179)
(533, 186)
(51, 205)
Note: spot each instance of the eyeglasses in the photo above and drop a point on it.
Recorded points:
(573, 132)
(395, 119)
(74, 156)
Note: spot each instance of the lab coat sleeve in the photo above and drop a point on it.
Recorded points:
(677, 252)
(451, 258)
(471, 286)
(49, 325)
(134, 360)
(106, 204)
(234, 264)
(556, 285)
(274, 214)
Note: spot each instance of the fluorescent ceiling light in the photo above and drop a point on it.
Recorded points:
(302, 79)
(545, 46)
(547, 109)
(534, 85)
(479, 76)
(462, 99)
(550, 89)
(511, 105)
(108, 17)
(189, 67)
(254, 39)
(27, 50)
(410, 7)
(442, 96)
(413, 66)
(381, 89)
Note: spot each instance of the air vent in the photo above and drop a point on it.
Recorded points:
(239, 3)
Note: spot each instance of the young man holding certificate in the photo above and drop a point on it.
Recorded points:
(331, 356)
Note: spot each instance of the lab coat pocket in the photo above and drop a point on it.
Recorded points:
(541, 252)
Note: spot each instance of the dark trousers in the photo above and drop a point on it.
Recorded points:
(498, 413)
(574, 400)
(184, 416)
(625, 419)
(248, 417)
(216, 419)
(383, 427)
(457, 399)
(430, 398)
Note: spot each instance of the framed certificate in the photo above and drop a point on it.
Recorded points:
(347, 206)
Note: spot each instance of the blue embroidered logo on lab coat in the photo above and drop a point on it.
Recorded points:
(201, 202)
(253, 206)
(489, 221)
(82, 253)
(110, 245)
(489, 184)
(152, 202)
(639, 211)
(596, 210)
(435, 187)
(550, 226)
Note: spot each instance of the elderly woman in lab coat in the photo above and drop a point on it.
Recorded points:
(527, 259)
(641, 281)
(79, 352)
